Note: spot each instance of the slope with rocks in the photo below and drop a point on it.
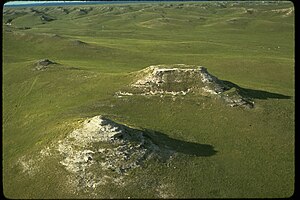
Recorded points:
(183, 79)
(44, 64)
(101, 151)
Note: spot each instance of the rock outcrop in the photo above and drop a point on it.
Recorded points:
(103, 145)
(43, 64)
(182, 79)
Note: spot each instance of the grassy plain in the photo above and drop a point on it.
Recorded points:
(249, 44)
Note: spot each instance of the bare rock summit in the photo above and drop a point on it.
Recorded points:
(181, 79)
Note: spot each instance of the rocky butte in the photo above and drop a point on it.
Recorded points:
(183, 79)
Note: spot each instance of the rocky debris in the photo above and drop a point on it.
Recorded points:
(46, 152)
(163, 191)
(43, 64)
(180, 80)
(237, 100)
(31, 164)
(121, 94)
(284, 11)
(107, 146)
(214, 85)
(27, 165)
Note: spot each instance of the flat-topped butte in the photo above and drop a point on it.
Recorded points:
(181, 79)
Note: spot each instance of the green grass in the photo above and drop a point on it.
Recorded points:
(255, 148)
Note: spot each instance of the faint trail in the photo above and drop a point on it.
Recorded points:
(33, 83)
(15, 109)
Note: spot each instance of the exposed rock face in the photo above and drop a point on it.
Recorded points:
(43, 64)
(179, 79)
(102, 144)
(100, 152)
(183, 79)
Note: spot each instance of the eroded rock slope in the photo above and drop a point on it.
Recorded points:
(183, 79)
(101, 151)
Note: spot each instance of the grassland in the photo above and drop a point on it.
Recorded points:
(249, 44)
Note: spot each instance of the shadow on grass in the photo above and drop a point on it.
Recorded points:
(162, 140)
(256, 94)
(180, 146)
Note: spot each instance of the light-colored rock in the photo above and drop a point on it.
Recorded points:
(180, 80)
(125, 149)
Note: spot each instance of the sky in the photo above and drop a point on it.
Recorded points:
(33, 2)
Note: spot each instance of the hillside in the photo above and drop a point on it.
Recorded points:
(95, 104)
